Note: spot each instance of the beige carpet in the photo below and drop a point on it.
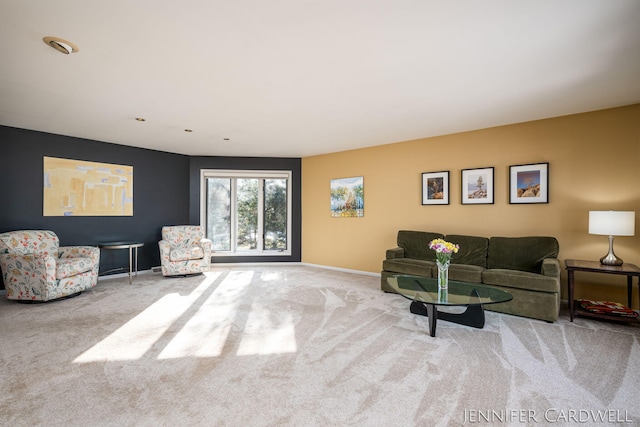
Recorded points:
(300, 346)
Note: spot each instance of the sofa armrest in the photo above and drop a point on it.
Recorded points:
(395, 253)
(551, 267)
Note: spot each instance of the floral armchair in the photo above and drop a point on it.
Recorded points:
(35, 267)
(184, 250)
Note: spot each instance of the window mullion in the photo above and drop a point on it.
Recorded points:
(234, 215)
(260, 213)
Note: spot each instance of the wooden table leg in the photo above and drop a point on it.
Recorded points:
(570, 293)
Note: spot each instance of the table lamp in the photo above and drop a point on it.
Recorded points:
(612, 223)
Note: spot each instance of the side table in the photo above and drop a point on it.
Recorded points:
(133, 250)
(573, 265)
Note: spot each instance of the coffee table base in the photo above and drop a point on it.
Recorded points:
(473, 316)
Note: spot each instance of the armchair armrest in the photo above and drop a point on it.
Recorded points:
(165, 248)
(31, 271)
(551, 267)
(207, 248)
(395, 253)
(91, 252)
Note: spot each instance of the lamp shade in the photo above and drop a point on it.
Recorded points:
(612, 223)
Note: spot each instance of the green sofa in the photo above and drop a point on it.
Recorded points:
(526, 267)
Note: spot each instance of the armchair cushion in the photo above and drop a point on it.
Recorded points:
(67, 267)
(186, 253)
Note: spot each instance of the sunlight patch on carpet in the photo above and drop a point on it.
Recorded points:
(133, 339)
(268, 332)
(273, 276)
(206, 332)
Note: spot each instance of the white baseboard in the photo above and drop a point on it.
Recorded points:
(305, 264)
(250, 264)
(345, 270)
(157, 269)
(121, 275)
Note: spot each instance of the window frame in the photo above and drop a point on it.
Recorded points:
(256, 174)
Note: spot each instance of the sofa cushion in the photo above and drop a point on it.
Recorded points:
(521, 280)
(416, 244)
(536, 305)
(521, 253)
(416, 267)
(186, 253)
(473, 250)
(68, 267)
(462, 273)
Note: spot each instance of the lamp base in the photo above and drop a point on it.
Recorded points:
(611, 258)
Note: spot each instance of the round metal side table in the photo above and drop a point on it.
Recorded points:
(133, 254)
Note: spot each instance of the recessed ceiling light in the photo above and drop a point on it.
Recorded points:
(61, 45)
(188, 130)
(141, 119)
(226, 139)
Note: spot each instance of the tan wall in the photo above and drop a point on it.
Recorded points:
(594, 164)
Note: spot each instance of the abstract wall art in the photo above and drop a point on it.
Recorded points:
(82, 188)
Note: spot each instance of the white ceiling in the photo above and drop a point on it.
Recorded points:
(295, 78)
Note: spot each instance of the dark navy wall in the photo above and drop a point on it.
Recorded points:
(252, 163)
(160, 192)
(166, 191)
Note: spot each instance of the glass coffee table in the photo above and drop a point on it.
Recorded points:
(426, 297)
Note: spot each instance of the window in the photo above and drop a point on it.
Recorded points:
(247, 212)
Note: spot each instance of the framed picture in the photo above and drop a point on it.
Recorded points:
(435, 188)
(347, 197)
(529, 183)
(82, 188)
(477, 186)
